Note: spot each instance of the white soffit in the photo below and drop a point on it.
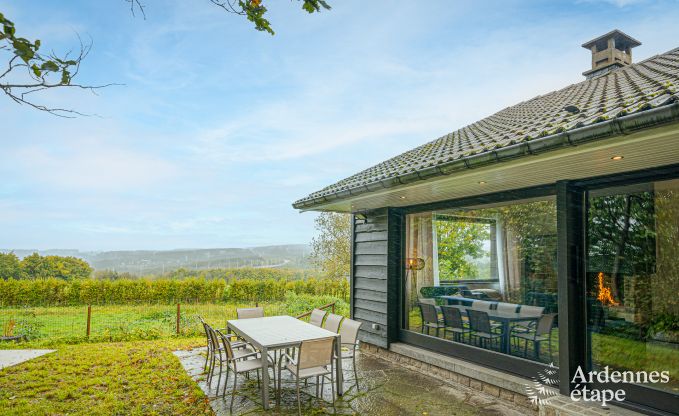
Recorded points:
(648, 149)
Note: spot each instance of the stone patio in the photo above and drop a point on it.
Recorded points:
(385, 389)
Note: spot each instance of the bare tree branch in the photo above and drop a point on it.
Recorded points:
(136, 4)
(230, 6)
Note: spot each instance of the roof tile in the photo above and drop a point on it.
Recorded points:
(638, 87)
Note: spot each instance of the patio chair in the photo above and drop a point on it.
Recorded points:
(480, 326)
(332, 322)
(428, 301)
(316, 317)
(543, 332)
(526, 326)
(209, 342)
(349, 342)
(218, 351)
(482, 305)
(213, 348)
(249, 313)
(430, 318)
(315, 359)
(452, 319)
(240, 361)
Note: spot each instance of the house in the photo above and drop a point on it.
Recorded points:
(545, 233)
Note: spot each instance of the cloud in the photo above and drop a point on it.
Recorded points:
(91, 165)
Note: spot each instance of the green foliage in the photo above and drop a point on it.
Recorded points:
(10, 266)
(331, 248)
(297, 304)
(436, 291)
(41, 66)
(254, 11)
(459, 242)
(53, 291)
(37, 267)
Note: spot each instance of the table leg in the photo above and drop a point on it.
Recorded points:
(265, 378)
(338, 367)
(506, 338)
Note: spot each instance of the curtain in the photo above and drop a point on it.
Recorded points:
(420, 244)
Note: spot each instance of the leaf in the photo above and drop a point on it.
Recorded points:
(37, 44)
(36, 70)
(65, 77)
(49, 66)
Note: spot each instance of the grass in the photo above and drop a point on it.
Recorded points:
(628, 354)
(131, 378)
(53, 326)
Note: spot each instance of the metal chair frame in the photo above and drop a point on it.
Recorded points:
(318, 358)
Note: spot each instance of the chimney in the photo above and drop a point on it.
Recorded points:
(610, 52)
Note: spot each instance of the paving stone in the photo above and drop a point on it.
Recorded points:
(385, 389)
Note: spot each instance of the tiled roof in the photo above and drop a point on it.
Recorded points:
(629, 90)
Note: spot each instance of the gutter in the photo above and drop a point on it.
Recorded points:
(616, 127)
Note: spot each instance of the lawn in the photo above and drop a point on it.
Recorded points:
(50, 326)
(131, 378)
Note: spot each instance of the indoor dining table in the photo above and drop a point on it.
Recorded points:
(273, 333)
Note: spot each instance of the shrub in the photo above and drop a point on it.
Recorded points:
(57, 292)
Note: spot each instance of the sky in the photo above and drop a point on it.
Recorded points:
(217, 128)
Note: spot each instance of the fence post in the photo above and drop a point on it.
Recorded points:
(89, 319)
(333, 307)
(179, 314)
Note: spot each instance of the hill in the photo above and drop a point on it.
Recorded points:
(159, 261)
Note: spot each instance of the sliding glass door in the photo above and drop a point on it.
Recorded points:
(633, 280)
(485, 277)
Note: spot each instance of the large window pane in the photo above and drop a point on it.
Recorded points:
(633, 278)
(497, 260)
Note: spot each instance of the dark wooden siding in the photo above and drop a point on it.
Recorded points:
(369, 276)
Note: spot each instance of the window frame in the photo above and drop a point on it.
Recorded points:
(571, 196)
(492, 359)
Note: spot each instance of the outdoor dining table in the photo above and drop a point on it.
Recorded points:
(275, 333)
(506, 318)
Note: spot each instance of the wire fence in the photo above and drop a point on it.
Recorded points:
(72, 324)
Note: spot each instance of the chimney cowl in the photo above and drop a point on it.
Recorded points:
(610, 52)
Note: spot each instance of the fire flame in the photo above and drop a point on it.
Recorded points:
(604, 295)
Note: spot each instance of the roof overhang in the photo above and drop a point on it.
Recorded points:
(647, 139)
(619, 36)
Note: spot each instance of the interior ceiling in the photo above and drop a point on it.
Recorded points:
(648, 149)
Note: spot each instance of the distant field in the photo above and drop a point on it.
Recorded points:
(45, 326)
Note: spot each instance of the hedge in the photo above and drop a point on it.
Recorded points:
(55, 292)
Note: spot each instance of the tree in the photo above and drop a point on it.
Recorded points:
(10, 267)
(331, 248)
(36, 267)
(28, 70)
(459, 241)
(68, 268)
(254, 10)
